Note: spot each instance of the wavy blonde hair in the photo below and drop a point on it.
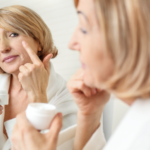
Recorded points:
(125, 26)
(21, 19)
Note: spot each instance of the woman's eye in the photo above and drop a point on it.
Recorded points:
(83, 31)
(14, 34)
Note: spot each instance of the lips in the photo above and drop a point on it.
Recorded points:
(10, 58)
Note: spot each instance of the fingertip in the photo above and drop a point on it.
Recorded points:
(99, 90)
(88, 94)
(59, 119)
(51, 56)
(48, 57)
(1, 109)
(24, 43)
(94, 91)
(60, 116)
(57, 122)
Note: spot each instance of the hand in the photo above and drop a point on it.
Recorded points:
(34, 76)
(1, 109)
(26, 137)
(89, 100)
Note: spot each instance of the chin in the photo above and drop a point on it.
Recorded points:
(11, 70)
(89, 82)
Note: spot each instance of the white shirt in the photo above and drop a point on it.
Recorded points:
(57, 94)
(133, 132)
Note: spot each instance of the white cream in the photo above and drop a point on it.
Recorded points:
(40, 115)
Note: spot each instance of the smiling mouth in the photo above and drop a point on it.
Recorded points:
(10, 58)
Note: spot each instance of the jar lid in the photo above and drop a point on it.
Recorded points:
(41, 108)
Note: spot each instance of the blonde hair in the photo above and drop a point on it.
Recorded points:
(125, 26)
(21, 19)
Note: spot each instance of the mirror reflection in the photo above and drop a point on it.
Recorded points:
(27, 73)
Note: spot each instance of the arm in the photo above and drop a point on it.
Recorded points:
(87, 125)
(91, 102)
(34, 76)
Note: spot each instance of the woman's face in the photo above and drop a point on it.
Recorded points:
(12, 52)
(87, 40)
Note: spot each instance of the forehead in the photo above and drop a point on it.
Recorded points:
(88, 8)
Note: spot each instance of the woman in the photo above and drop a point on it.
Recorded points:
(113, 40)
(26, 46)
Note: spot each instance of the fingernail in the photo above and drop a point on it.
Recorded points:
(51, 55)
(24, 43)
(93, 91)
(60, 115)
(89, 94)
(99, 90)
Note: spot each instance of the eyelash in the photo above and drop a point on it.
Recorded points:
(83, 31)
(15, 34)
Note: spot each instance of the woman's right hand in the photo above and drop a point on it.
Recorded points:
(89, 100)
(91, 103)
(1, 109)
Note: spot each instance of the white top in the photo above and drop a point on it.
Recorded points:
(132, 134)
(66, 139)
(57, 94)
(134, 131)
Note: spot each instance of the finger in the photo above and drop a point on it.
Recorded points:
(55, 128)
(30, 67)
(46, 62)
(99, 90)
(94, 91)
(1, 112)
(24, 70)
(79, 86)
(1, 109)
(20, 77)
(33, 56)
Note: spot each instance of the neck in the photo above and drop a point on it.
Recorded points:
(129, 101)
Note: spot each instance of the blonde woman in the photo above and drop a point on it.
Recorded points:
(113, 39)
(26, 46)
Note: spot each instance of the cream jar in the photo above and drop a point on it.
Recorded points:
(40, 115)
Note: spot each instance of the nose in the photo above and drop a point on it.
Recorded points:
(74, 43)
(4, 46)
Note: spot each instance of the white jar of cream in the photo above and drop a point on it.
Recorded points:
(40, 115)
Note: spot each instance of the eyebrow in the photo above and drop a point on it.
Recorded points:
(80, 12)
